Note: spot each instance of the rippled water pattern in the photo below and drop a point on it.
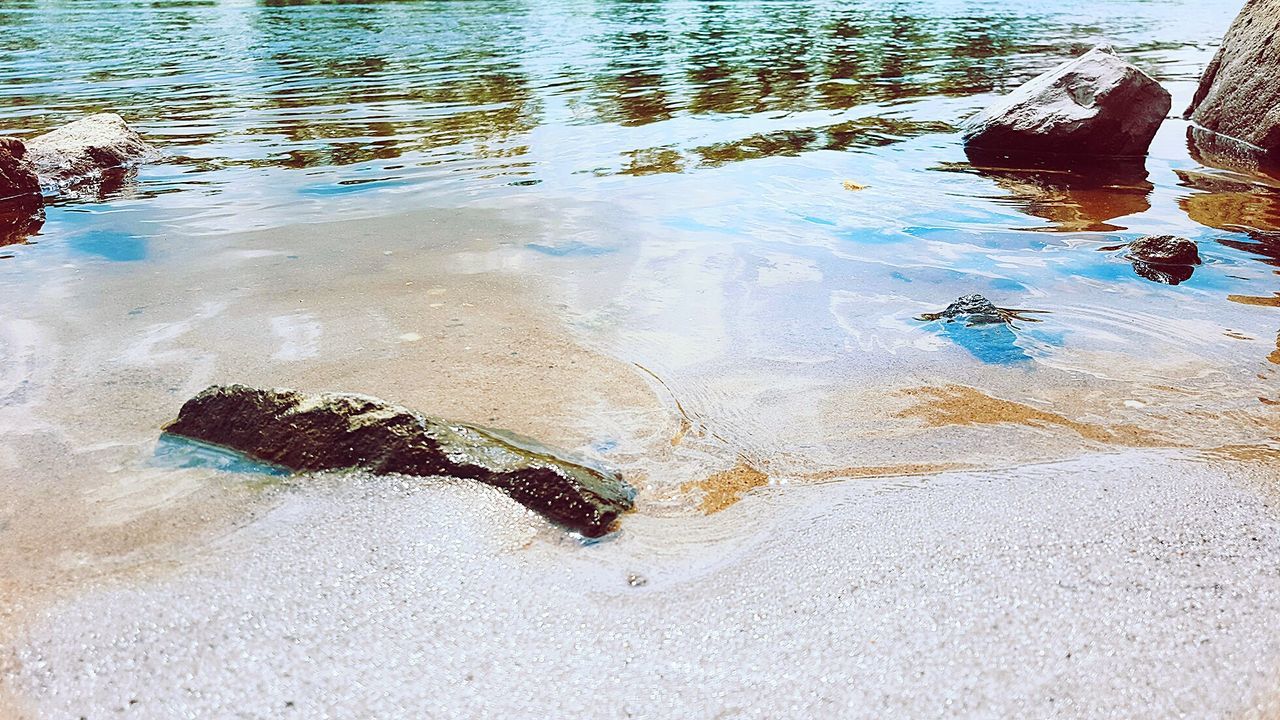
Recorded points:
(794, 161)
(485, 92)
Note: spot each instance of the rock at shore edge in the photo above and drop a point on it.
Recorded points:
(331, 431)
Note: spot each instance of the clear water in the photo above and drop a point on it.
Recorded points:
(694, 155)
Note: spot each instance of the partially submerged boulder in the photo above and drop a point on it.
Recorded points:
(1165, 250)
(21, 206)
(1165, 259)
(1163, 274)
(18, 184)
(1236, 108)
(1095, 105)
(84, 152)
(977, 310)
(331, 431)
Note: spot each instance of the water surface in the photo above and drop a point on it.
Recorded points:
(752, 202)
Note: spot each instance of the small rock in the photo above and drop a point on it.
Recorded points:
(1164, 250)
(978, 310)
(332, 431)
(18, 184)
(81, 153)
(1095, 105)
(1239, 93)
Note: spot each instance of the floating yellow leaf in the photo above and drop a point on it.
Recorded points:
(851, 185)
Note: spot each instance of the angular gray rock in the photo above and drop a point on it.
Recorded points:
(1237, 104)
(18, 184)
(1095, 105)
(331, 431)
(80, 153)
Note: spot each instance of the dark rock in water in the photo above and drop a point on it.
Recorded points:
(81, 154)
(1095, 105)
(978, 310)
(18, 184)
(332, 431)
(21, 205)
(1236, 108)
(1163, 274)
(1164, 250)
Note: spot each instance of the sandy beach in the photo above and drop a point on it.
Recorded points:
(1046, 591)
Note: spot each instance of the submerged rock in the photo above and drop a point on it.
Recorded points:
(84, 152)
(1166, 259)
(977, 310)
(331, 431)
(1236, 108)
(1095, 105)
(1164, 250)
(18, 184)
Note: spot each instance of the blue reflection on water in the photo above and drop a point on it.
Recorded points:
(998, 344)
(173, 451)
(110, 244)
(569, 249)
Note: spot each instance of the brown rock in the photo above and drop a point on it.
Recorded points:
(1164, 250)
(19, 221)
(1236, 108)
(332, 431)
(17, 181)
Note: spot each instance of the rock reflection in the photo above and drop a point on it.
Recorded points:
(19, 221)
(1163, 274)
(1072, 197)
(329, 84)
(1265, 245)
(865, 133)
(1230, 201)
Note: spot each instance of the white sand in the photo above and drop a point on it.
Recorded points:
(1137, 585)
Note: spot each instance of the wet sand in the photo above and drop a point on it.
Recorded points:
(124, 572)
(96, 361)
(1134, 585)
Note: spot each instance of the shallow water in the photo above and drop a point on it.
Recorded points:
(687, 240)
(750, 204)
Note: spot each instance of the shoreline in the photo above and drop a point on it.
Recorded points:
(1053, 588)
(459, 330)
